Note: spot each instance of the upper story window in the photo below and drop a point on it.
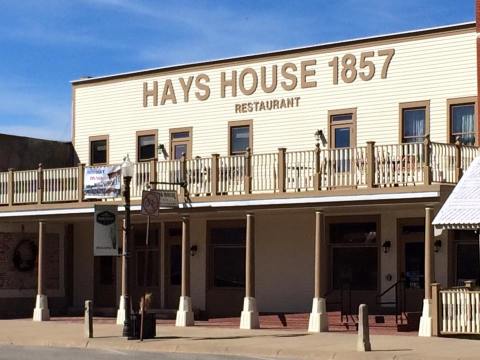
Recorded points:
(146, 145)
(414, 122)
(98, 150)
(240, 137)
(462, 123)
(180, 143)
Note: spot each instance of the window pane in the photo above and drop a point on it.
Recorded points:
(181, 135)
(146, 147)
(467, 263)
(227, 253)
(353, 233)
(106, 270)
(98, 151)
(229, 266)
(463, 123)
(175, 265)
(414, 265)
(355, 266)
(414, 124)
(239, 138)
(179, 150)
(342, 137)
(342, 117)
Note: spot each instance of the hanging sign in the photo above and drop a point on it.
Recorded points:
(153, 200)
(102, 182)
(105, 242)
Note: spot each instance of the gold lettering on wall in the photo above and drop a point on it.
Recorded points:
(241, 81)
(231, 83)
(289, 76)
(150, 92)
(304, 73)
(186, 87)
(263, 79)
(201, 83)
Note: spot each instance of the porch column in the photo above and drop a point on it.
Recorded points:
(185, 313)
(426, 319)
(121, 306)
(318, 321)
(249, 318)
(41, 312)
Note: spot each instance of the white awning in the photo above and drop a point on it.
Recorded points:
(462, 208)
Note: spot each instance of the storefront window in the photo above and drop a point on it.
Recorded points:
(354, 255)
(228, 256)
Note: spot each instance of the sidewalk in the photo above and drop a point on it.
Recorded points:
(291, 344)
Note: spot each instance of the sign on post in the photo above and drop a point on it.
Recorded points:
(105, 239)
(153, 200)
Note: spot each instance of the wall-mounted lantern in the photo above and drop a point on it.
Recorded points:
(320, 137)
(437, 245)
(386, 246)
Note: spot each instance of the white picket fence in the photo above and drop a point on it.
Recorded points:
(25, 184)
(60, 184)
(460, 311)
(400, 164)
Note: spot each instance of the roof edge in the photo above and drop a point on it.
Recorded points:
(419, 32)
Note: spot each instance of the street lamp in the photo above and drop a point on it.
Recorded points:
(127, 173)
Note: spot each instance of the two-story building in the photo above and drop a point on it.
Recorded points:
(369, 131)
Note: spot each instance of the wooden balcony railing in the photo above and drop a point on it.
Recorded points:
(280, 172)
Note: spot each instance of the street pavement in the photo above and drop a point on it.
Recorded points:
(264, 344)
(9, 352)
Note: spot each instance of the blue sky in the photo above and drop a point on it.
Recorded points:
(46, 43)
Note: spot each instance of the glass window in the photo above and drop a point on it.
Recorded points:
(239, 139)
(463, 123)
(146, 147)
(353, 233)
(175, 264)
(179, 150)
(98, 152)
(107, 269)
(414, 125)
(468, 265)
(181, 135)
(342, 117)
(228, 256)
(151, 274)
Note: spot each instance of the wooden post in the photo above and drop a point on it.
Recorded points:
(370, 164)
(41, 312)
(248, 172)
(39, 184)
(317, 177)
(80, 182)
(10, 187)
(427, 169)
(428, 252)
(214, 178)
(185, 290)
(153, 172)
(319, 235)
(282, 170)
(458, 160)
(436, 317)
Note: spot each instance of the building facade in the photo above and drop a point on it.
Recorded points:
(370, 132)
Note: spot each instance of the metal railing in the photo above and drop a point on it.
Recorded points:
(280, 172)
(399, 302)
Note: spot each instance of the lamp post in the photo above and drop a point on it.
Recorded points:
(127, 173)
(318, 138)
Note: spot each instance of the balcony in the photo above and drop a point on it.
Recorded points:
(281, 172)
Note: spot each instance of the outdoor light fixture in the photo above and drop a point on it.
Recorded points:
(320, 137)
(193, 250)
(127, 167)
(437, 245)
(127, 173)
(386, 246)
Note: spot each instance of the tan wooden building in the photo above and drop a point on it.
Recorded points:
(365, 133)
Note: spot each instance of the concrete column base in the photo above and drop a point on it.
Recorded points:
(318, 321)
(41, 312)
(185, 313)
(249, 318)
(121, 311)
(426, 319)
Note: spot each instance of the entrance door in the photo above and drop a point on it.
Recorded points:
(147, 264)
(173, 276)
(104, 292)
(342, 137)
(412, 261)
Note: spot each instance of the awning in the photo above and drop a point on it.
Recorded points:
(462, 208)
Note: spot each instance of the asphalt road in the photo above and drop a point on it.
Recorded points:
(46, 353)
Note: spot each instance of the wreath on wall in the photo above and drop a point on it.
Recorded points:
(25, 255)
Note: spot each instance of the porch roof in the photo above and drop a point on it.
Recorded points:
(462, 208)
